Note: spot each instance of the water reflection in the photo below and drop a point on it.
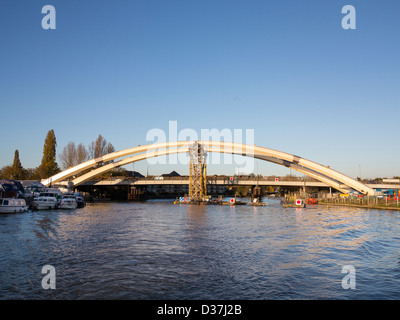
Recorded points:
(197, 215)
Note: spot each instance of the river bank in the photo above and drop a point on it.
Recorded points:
(363, 206)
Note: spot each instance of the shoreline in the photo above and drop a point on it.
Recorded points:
(359, 206)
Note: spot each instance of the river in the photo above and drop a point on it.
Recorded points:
(158, 250)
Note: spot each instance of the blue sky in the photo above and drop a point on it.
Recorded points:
(285, 68)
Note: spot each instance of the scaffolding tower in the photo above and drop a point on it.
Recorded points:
(197, 173)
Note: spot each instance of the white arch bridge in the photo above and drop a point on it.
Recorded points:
(109, 161)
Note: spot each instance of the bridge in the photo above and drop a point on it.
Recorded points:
(184, 180)
(108, 162)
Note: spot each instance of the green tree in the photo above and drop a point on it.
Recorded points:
(49, 166)
(32, 174)
(14, 171)
(17, 171)
(6, 172)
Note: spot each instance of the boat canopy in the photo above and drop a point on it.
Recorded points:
(11, 185)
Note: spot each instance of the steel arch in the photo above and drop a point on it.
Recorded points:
(322, 173)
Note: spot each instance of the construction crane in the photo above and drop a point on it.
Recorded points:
(197, 173)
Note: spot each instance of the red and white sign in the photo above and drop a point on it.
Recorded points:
(232, 200)
(299, 202)
(276, 179)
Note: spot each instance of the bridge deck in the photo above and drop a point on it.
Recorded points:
(243, 182)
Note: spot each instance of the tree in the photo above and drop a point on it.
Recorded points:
(32, 173)
(17, 171)
(72, 156)
(82, 154)
(6, 172)
(49, 166)
(68, 156)
(100, 147)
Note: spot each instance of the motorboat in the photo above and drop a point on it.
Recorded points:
(11, 189)
(35, 188)
(50, 199)
(45, 202)
(79, 200)
(68, 203)
(12, 205)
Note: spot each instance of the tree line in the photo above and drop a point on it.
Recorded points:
(70, 156)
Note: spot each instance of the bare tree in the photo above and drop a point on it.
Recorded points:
(72, 155)
(82, 154)
(100, 147)
(109, 148)
(68, 156)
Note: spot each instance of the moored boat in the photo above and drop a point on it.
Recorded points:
(79, 200)
(297, 204)
(50, 199)
(68, 203)
(45, 203)
(12, 205)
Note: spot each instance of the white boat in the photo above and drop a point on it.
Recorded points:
(43, 203)
(79, 200)
(11, 205)
(47, 200)
(68, 201)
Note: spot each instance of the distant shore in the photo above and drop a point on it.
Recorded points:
(363, 206)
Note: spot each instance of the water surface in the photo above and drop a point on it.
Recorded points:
(158, 250)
